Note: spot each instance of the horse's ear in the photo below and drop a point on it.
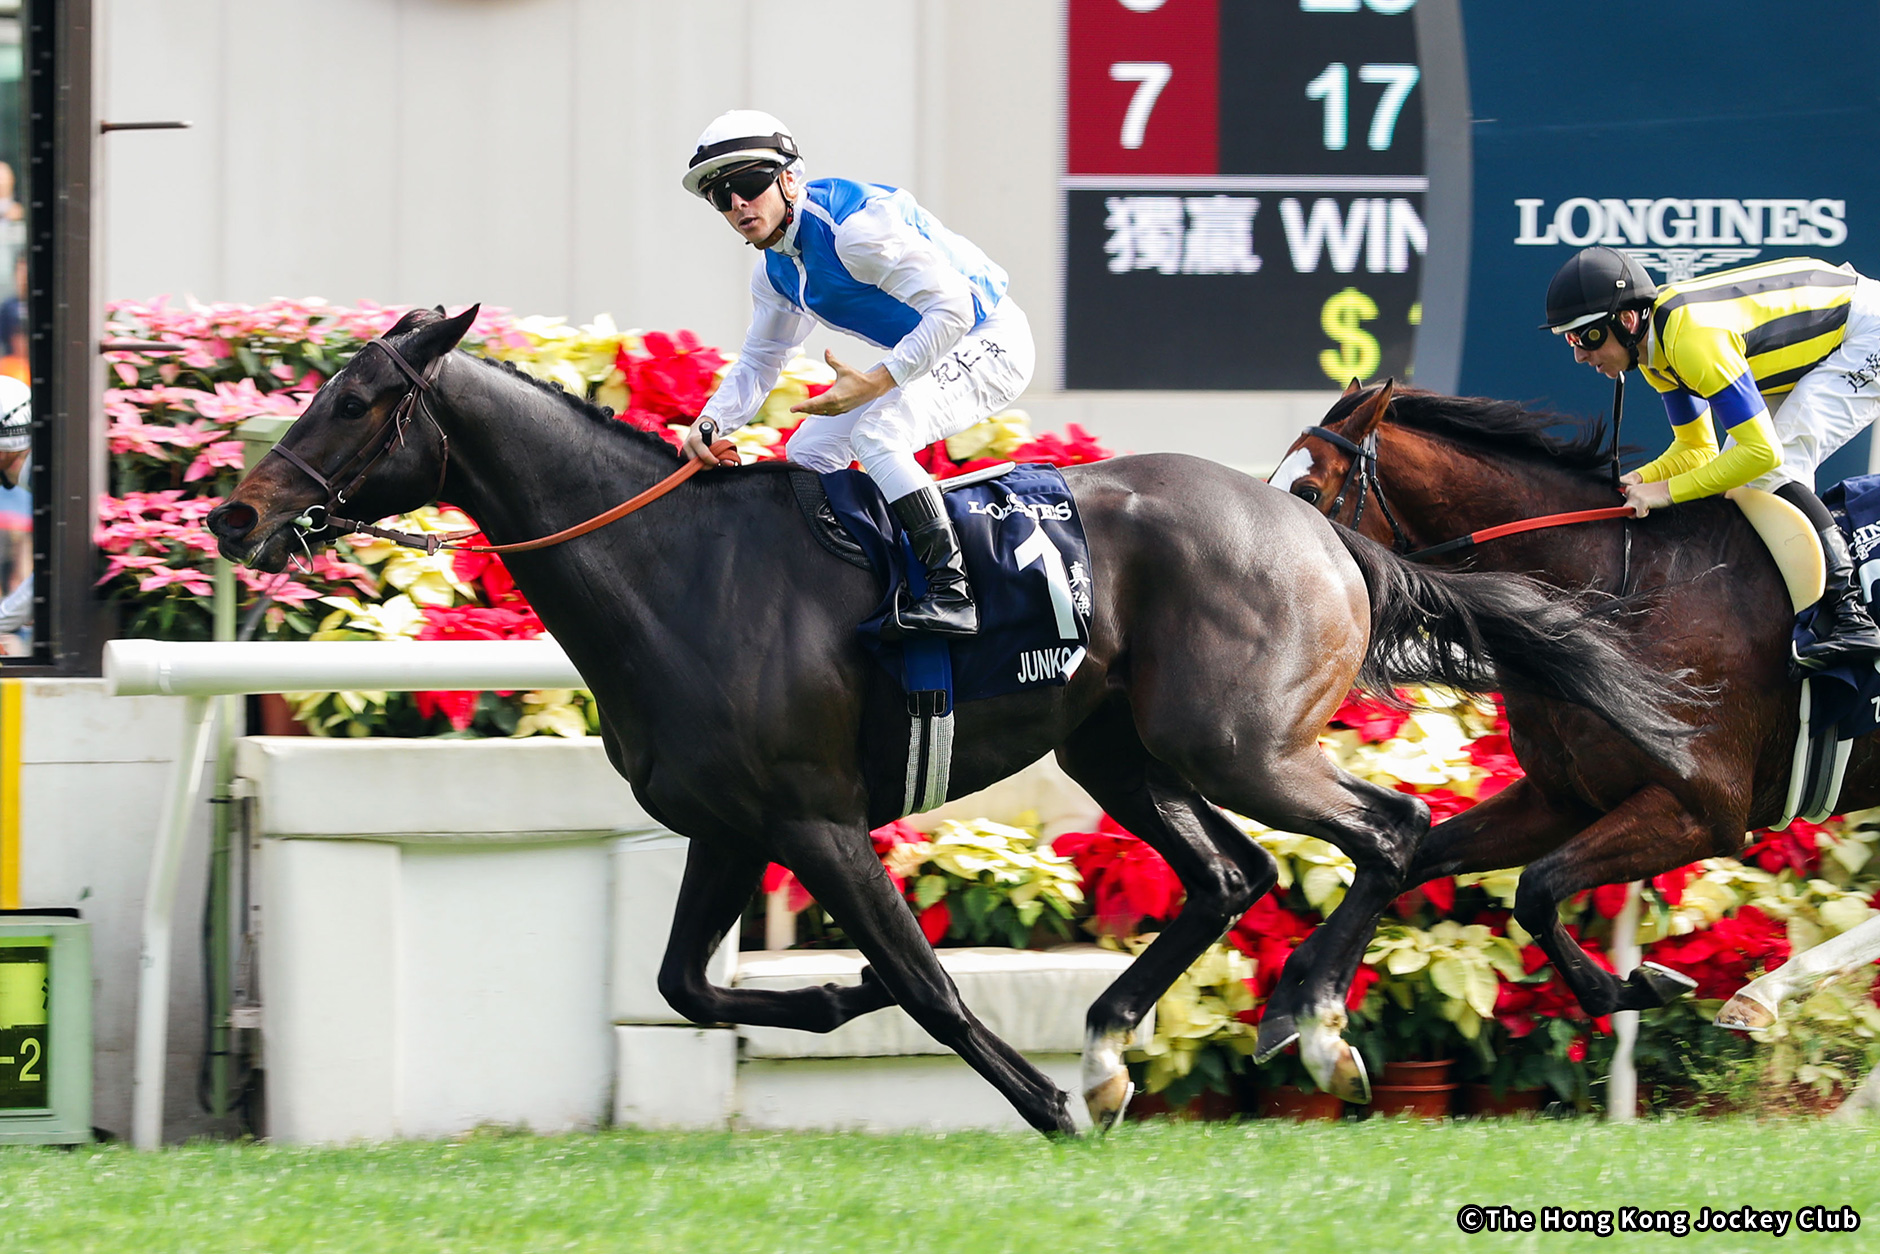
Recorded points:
(439, 311)
(1353, 386)
(434, 339)
(1369, 413)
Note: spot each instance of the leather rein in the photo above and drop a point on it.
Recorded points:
(392, 435)
(1363, 470)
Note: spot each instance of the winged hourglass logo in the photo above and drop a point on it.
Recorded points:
(1680, 265)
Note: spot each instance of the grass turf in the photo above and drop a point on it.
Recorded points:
(1269, 1186)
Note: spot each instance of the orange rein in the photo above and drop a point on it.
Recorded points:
(1524, 524)
(432, 543)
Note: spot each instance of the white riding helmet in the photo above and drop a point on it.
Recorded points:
(740, 137)
(16, 415)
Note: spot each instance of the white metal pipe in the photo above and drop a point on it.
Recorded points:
(153, 981)
(201, 670)
(135, 668)
(1622, 1079)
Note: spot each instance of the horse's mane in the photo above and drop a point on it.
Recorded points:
(1504, 427)
(602, 415)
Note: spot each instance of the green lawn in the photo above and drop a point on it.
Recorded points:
(1256, 1187)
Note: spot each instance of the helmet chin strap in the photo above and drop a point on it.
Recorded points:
(783, 227)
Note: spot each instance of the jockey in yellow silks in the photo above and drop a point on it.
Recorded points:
(1799, 330)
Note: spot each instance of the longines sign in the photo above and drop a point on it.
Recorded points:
(1685, 231)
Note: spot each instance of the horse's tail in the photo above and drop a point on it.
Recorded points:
(1475, 631)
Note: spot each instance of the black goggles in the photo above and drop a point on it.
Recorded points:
(1591, 336)
(747, 185)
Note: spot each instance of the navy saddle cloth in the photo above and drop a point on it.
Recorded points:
(1030, 573)
(1847, 697)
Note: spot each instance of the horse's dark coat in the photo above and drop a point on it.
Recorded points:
(718, 638)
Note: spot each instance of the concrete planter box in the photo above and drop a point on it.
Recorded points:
(457, 933)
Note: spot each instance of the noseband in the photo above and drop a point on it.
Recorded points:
(1363, 470)
(390, 436)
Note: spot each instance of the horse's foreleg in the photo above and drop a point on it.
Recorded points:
(1648, 833)
(1222, 870)
(1757, 1003)
(839, 867)
(717, 885)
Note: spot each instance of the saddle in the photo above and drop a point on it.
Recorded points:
(1029, 564)
(1838, 703)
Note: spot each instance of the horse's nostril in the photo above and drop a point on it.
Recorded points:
(233, 521)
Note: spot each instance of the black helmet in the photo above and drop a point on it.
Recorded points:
(1596, 283)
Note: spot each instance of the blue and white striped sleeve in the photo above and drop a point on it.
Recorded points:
(778, 328)
(877, 246)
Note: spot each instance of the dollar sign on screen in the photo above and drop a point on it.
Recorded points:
(1356, 356)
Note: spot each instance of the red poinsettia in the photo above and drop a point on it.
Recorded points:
(1725, 956)
(1439, 893)
(669, 380)
(471, 622)
(1520, 1006)
(1493, 754)
(487, 569)
(1796, 847)
(1125, 880)
(1075, 447)
(885, 840)
(1373, 720)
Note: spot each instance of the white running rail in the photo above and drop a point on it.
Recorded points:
(199, 671)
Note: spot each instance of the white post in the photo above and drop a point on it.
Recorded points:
(153, 984)
(779, 920)
(1622, 1080)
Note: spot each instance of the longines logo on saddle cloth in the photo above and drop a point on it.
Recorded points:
(1029, 565)
(1030, 571)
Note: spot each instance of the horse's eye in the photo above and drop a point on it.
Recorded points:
(352, 407)
(1307, 493)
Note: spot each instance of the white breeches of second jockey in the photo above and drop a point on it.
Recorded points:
(980, 376)
(1832, 403)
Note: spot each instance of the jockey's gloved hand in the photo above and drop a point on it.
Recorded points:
(697, 446)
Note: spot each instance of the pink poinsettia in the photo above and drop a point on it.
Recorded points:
(222, 455)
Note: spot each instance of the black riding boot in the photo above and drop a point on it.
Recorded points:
(1844, 630)
(947, 609)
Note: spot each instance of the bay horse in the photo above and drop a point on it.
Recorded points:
(1705, 596)
(719, 640)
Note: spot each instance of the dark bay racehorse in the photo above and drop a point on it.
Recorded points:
(1593, 809)
(719, 639)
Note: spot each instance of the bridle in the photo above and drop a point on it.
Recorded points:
(415, 401)
(1362, 470)
(391, 435)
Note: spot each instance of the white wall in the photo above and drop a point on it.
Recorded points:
(526, 153)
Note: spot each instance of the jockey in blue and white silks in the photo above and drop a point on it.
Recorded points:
(864, 258)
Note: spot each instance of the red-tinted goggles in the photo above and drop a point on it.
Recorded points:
(1590, 336)
(747, 185)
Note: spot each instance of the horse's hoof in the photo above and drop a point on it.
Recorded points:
(1108, 1100)
(1275, 1034)
(1664, 983)
(1745, 1014)
(1349, 1080)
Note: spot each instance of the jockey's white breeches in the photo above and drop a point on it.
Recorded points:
(980, 376)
